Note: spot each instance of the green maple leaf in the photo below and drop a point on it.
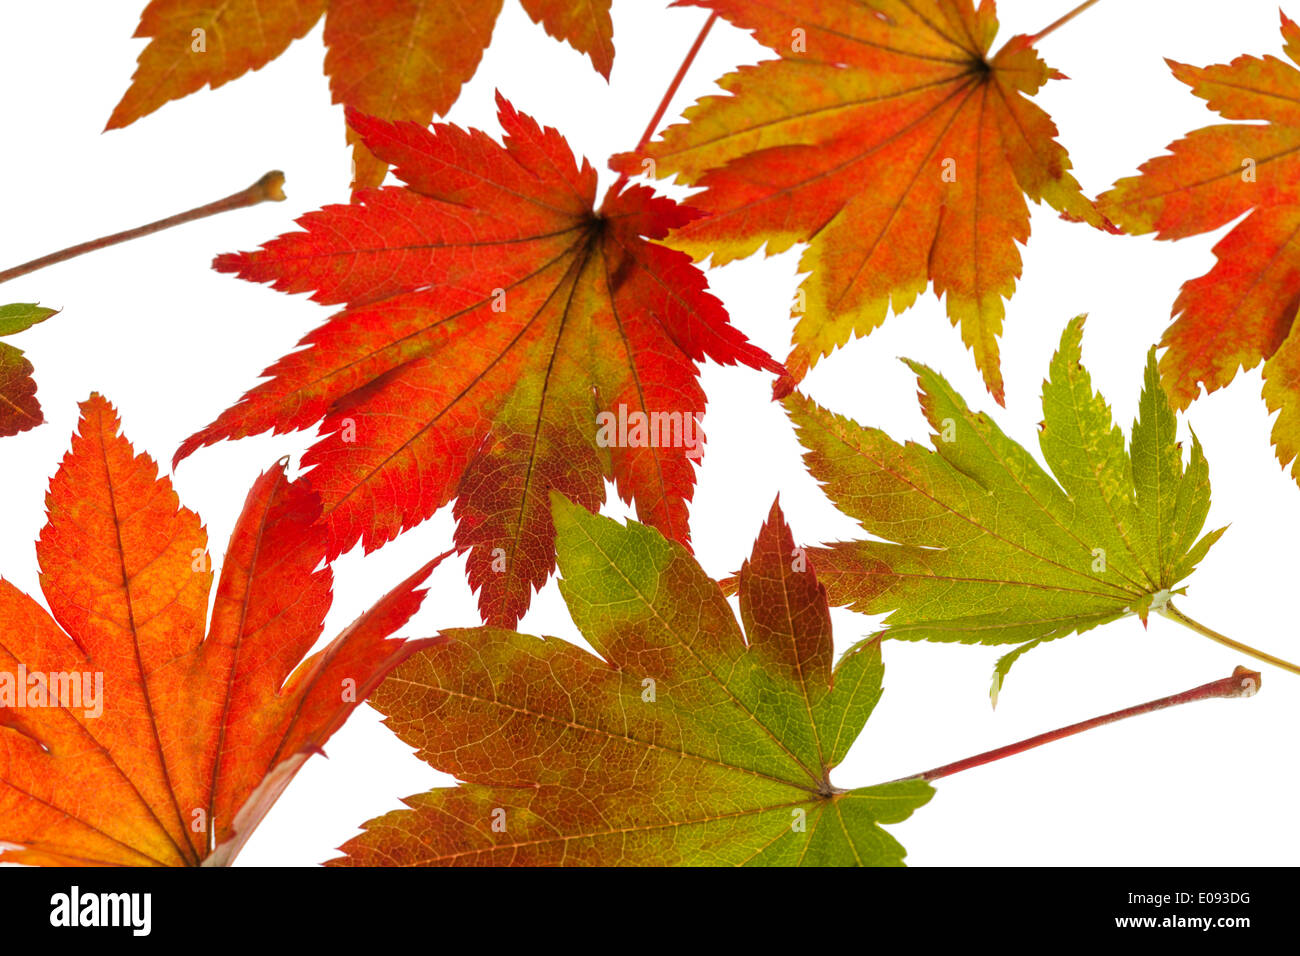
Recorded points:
(982, 545)
(685, 742)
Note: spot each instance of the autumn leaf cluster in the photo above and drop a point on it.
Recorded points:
(492, 310)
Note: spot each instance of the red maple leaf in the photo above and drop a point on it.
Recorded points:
(1242, 312)
(502, 338)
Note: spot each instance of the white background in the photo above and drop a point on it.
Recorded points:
(172, 343)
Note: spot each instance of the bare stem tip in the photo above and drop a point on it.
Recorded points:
(269, 187)
(1248, 682)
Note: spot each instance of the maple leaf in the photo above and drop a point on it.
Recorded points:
(685, 742)
(1242, 312)
(495, 323)
(982, 545)
(398, 59)
(887, 139)
(19, 409)
(126, 736)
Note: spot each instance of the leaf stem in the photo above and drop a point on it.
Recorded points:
(1062, 21)
(1242, 683)
(669, 94)
(1174, 614)
(269, 187)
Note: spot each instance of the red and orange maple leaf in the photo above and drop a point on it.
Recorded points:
(397, 59)
(1242, 312)
(887, 139)
(127, 737)
(496, 325)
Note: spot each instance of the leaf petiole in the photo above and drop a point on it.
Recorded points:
(269, 187)
(668, 96)
(1242, 683)
(1171, 612)
(1056, 24)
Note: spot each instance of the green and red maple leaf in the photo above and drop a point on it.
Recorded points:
(19, 409)
(686, 741)
(492, 315)
(397, 59)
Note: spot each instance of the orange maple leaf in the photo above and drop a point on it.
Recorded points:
(887, 139)
(396, 59)
(126, 736)
(1243, 310)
